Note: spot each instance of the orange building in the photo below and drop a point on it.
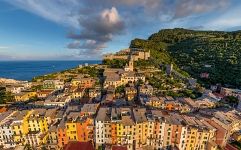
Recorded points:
(3, 109)
(114, 133)
(170, 105)
(62, 137)
(176, 134)
(87, 82)
(85, 129)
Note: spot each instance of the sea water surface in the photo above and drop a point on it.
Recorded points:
(26, 70)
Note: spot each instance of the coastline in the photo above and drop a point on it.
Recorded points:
(27, 70)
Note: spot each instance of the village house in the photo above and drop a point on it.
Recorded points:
(53, 84)
(130, 93)
(136, 54)
(24, 96)
(42, 94)
(146, 89)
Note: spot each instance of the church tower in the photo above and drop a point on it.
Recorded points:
(131, 64)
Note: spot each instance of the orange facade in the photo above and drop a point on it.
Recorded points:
(170, 106)
(85, 130)
(87, 82)
(176, 134)
(62, 137)
(114, 133)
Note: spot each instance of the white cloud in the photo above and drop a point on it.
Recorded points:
(59, 11)
(230, 18)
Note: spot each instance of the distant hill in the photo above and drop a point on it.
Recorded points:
(217, 53)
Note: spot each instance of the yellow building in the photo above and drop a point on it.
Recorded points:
(24, 96)
(130, 93)
(156, 102)
(37, 121)
(76, 82)
(20, 126)
(71, 126)
(71, 131)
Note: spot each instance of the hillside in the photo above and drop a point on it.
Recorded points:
(217, 53)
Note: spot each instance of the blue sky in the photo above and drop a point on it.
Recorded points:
(84, 29)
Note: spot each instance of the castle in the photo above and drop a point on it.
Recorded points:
(135, 53)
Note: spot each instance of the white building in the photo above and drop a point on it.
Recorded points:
(6, 134)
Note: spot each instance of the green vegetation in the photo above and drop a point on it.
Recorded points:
(231, 100)
(115, 63)
(5, 96)
(215, 52)
(69, 74)
(92, 71)
(143, 64)
(45, 77)
(120, 89)
(236, 144)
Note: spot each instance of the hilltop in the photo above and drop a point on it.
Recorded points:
(210, 56)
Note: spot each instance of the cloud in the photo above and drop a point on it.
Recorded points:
(189, 7)
(95, 23)
(227, 20)
(96, 31)
(59, 11)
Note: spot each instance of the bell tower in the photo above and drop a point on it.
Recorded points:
(131, 64)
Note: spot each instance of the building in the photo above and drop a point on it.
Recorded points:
(95, 93)
(130, 93)
(60, 100)
(52, 140)
(6, 133)
(62, 135)
(78, 93)
(146, 89)
(42, 94)
(84, 82)
(130, 65)
(136, 54)
(24, 96)
(89, 109)
(19, 126)
(53, 84)
(230, 92)
(156, 102)
(79, 146)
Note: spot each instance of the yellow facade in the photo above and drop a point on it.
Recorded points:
(75, 82)
(38, 124)
(119, 132)
(71, 131)
(20, 129)
(24, 96)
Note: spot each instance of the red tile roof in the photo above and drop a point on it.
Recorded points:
(119, 147)
(79, 146)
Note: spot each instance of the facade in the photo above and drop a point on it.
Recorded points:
(53, 84)
(133, 127)
(24, 96)
(136, 54)
(52, 140)
(146, 89)
(130, 93)
(6, 133)
(87, 82)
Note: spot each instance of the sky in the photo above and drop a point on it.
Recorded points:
(87, 29)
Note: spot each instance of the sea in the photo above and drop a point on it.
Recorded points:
(26, 70)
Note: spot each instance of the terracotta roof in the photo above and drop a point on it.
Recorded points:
(115, 147)
(79, 146)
